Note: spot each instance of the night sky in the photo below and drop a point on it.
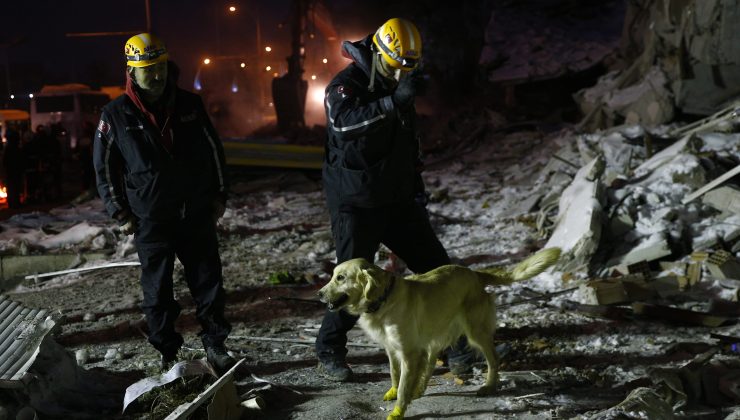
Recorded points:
(33, 36)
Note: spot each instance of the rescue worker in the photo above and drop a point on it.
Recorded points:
(14, 166)
(371, 172)
(161, 174)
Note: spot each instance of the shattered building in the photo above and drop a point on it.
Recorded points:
(608, 129)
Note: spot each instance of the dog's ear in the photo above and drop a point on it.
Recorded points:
(374, 286)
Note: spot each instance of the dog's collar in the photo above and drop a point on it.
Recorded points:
(374, 306)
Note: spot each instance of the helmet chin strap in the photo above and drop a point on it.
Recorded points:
(373, 69)
(384, 70)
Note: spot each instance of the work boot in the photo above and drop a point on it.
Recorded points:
(167, 361)
(219, 359)
(462, 363)
(461, 357)
(334, 369)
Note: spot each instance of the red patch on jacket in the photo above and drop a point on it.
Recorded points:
(344, 91)
(104, 127)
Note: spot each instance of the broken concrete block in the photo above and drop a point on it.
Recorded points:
(601, 292)
(81, 356)
(724, 198)
(651, 249)
(617, 290)
(723, 265)
(578, 229)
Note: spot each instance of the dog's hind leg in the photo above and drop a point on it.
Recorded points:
(424, 380)
(480, 336)
(395, 367)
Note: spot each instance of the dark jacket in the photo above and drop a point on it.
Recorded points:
(371, 149)
(137, 173)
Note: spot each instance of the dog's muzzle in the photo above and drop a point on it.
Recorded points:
(332, 306)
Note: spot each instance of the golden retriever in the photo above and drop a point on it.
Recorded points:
(416, 317)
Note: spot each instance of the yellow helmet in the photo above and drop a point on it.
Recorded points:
(144, 49)
(399, 42)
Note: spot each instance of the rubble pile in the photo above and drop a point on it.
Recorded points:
(679, 57)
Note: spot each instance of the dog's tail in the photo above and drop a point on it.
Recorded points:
(526, 269)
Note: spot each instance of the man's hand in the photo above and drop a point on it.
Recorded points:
(128, 226)
(407, 88)
(218, 210)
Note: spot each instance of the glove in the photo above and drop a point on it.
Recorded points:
(407, 87)
(218, 210)
(126, 222)
(128, 226)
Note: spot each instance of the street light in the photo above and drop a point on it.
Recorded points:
(243, 65)
(30, 95)
(325, 61)
(232, 9)
(268, 48)
(207, 61)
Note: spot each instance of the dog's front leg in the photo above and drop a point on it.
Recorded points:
(412, 368)
(395, 366)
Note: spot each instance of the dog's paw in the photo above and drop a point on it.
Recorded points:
(391, 394)
(396, 414)
(486, 390)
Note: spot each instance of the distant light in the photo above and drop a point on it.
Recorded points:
(196, 83)
(325, 61)
(12, 96)
(268, 48)
(268, 68)
(234, 88)
(207, 61)
(313, 77)
(316, 94)
(270, 104)
(311, 36)
(242, 65)
(275, 74)
(232, 9)
(30, 95)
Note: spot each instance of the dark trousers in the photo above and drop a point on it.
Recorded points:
(358, 232)
(193, 241)
(14, 189)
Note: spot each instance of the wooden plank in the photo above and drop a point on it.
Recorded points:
(719, 180)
